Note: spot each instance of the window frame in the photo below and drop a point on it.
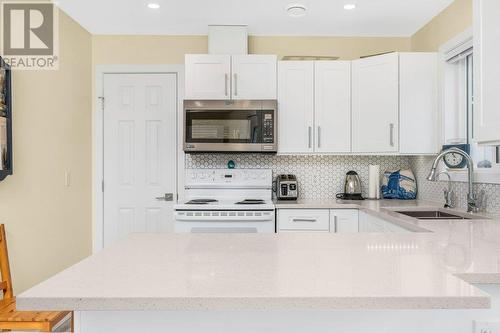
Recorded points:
(447, 51)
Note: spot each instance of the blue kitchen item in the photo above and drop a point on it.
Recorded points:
(400, 185)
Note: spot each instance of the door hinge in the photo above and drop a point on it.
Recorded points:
(102, 102)
(102, 186)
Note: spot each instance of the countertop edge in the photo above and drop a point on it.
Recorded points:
(288, 303)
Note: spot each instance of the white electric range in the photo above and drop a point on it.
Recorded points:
(226, 201)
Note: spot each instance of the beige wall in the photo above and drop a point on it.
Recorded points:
(171, 49)
(49, 225)
(449, 23)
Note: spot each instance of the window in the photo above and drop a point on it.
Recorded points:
(458, 102)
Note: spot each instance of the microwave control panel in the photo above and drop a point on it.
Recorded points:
(268, 127)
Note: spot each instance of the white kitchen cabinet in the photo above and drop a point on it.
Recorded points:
(369, 223)
(226, 77)
(344, 221)
(315, 220)
(296, 107)
(418, 103)
(486, 71)
(254, 76)
(332, 104)
(375, 104)
(314, 107)
(207, 76)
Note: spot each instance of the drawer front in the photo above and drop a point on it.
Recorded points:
(304, 220)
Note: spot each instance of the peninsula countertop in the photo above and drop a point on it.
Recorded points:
(430, 269)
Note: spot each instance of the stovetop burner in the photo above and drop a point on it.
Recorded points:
(200, 201)
(251, 202)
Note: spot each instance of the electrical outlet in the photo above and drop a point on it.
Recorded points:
(487, 327)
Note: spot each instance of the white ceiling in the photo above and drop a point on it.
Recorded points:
(263, 17)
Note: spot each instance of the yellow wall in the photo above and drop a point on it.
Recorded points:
(49, 225)
(171, 49)
(449, 23)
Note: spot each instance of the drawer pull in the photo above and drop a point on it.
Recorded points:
(304, 220)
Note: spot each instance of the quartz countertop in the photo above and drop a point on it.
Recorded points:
(432, 268)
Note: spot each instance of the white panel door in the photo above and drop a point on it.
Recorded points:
(254, 76)
(296, 107)
(139, 153)
(333, 106)
(418, 108)
(486, 71)
(375, 104)
(208, 76)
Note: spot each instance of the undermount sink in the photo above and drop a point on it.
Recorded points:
(436, 215)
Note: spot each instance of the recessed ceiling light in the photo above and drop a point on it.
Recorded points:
(153, 5)
(349, 6)
(296, 10)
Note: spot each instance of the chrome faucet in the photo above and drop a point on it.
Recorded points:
(448, 193)
(472, 202)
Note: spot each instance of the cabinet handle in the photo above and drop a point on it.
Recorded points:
(335, 224)
(304, 220)
(310, 137)
(319, 136)
(226, 77)
(391, 134)
(235, 84)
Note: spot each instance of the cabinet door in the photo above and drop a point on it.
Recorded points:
(418, 98)
(369, 223)
(375, 104)
(208, 76)
(344, 221)
(296, 107)
(486, 71)
(254, 76)
(333, 106)
(303, 220)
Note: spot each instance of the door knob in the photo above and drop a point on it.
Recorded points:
(166, 197)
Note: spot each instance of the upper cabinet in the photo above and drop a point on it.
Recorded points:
(314, 99)
(418, 104)
(254, 76)
(332, 106)
(375, 104)
(225, 77)
(395, 104)
(296, 107)
(486, 71)
(208, 76)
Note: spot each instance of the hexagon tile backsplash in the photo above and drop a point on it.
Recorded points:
(320, 177)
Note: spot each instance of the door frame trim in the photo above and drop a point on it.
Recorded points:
(98, 137)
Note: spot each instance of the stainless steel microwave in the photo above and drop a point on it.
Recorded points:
(230, 126)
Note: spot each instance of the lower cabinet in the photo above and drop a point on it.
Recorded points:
(333, 220)
(370, 223)
(317, 220)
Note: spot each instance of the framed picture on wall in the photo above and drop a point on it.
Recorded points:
(5, 120)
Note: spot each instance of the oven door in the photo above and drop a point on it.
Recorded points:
(220, 126)
(225, 222)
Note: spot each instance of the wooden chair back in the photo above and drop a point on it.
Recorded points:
(6, 281)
